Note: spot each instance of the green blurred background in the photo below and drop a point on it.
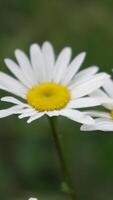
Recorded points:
(29, 165)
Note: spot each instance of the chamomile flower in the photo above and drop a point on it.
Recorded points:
(103, 120)
(50, 86)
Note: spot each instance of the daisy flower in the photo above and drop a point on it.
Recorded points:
(50, 86)
(103, 120)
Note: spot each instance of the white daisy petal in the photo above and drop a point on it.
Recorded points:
(35, 116)
(37, 61)
(27, 113)
(99, 93)
(76, 115)
(10, 111)
(83, 102)
(101, 114)
(61, 64)
(14, 101)
(25, 66)
(105, 100)
(85, 74)
(100, 124)
(108, 87)
(89, 86)
(73, 68)
(15, 69)
(3, 88)
(49, 59)
(12, 85)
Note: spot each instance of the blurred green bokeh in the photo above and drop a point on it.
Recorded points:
(29, 165)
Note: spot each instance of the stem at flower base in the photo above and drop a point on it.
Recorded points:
(67, 183)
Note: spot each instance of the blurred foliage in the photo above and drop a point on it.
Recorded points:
(29, 165)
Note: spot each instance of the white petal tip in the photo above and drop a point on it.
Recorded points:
(83, 54)
(68, 48)
(2, 99)
(17, 51)
(19, 117)
(84, 128)
(6, 60)
(28, 121)
(46, 43)
(95, 67)
(34, 45)
(32, 198)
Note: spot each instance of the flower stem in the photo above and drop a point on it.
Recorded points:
(67, 183)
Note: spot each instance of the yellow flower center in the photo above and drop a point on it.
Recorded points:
(48, 96)
(112, 114)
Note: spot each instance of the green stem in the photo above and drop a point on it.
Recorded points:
(68, 184)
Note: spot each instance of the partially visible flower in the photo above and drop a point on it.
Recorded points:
(49, 86)
(103, 120)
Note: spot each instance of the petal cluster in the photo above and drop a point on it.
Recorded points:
(103, 120)
(43, 66)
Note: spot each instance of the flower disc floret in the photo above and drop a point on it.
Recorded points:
(48, 96)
